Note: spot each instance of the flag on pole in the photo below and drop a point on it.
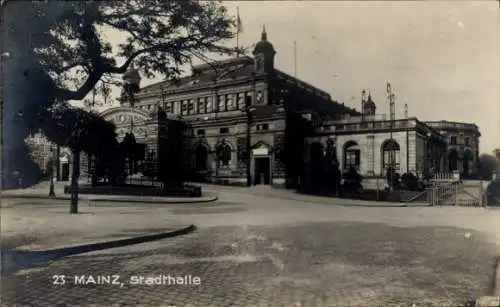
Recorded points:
(239, 24)
(388, 87)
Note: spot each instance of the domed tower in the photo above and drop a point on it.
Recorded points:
(369, 107)
(264, 54)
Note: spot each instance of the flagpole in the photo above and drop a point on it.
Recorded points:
(238, 32)
(295, 58)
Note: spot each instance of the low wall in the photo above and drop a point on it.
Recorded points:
(374, 183)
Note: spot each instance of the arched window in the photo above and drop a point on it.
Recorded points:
(223, 154)
(391, 155)
(201, 157)
(352, 155)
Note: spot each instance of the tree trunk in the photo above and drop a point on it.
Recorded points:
(75, 174)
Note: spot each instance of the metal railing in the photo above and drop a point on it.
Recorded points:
(443, 177)
(457, 193)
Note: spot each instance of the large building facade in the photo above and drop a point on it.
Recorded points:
(242, 119)
(221, 104)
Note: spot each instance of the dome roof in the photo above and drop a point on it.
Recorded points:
(263, 46)
(369, 104)
(131, 75)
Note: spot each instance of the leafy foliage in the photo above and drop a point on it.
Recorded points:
(67, 41)
(487, 164)
(62, 51)
(411, 182)
(352, 181)
(79, 130)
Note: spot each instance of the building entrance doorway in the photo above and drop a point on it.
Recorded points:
(262, 170)
(65, 172)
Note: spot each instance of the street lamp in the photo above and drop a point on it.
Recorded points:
(429, 153)
(249, 119)
(52, 166)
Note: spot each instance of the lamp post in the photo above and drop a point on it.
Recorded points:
(429, 153)
(391, 169)
(52, 166)
(249, 119)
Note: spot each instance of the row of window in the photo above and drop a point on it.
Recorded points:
(465, 141)
(225, 130)
(202, 105)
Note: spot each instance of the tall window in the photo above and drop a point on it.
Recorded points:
(169, 107)
(222, 103)
(391, 155)
(352, 156)
(229, 102)
(223, 154)
(241, 100)
(202, 105)
(210, 104)
(184, 107)
(191, 106)
(352, 159)
(453, 140)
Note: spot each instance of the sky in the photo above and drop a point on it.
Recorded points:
(441, 57)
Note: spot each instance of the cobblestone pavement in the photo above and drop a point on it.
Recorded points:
(249, 252)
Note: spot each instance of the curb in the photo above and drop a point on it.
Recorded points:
(56, 253)
(494, 299)
(488, 301)
(154, 201)
(102, 199)
(496, 286)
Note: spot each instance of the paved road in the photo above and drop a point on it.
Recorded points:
(254, 250)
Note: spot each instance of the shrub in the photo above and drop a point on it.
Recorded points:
(352, 181)
(493, 192)
(410, 182)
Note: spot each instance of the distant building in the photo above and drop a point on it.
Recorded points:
(365, 142)
(463, 144)
(43, 153)
(211, 103)
(40, 150)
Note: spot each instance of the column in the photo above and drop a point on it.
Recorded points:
(340, 155)
(412, 155)
(370, 155)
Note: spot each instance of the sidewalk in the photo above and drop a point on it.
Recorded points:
(267, 191)
(36, 228)
(42, 191)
